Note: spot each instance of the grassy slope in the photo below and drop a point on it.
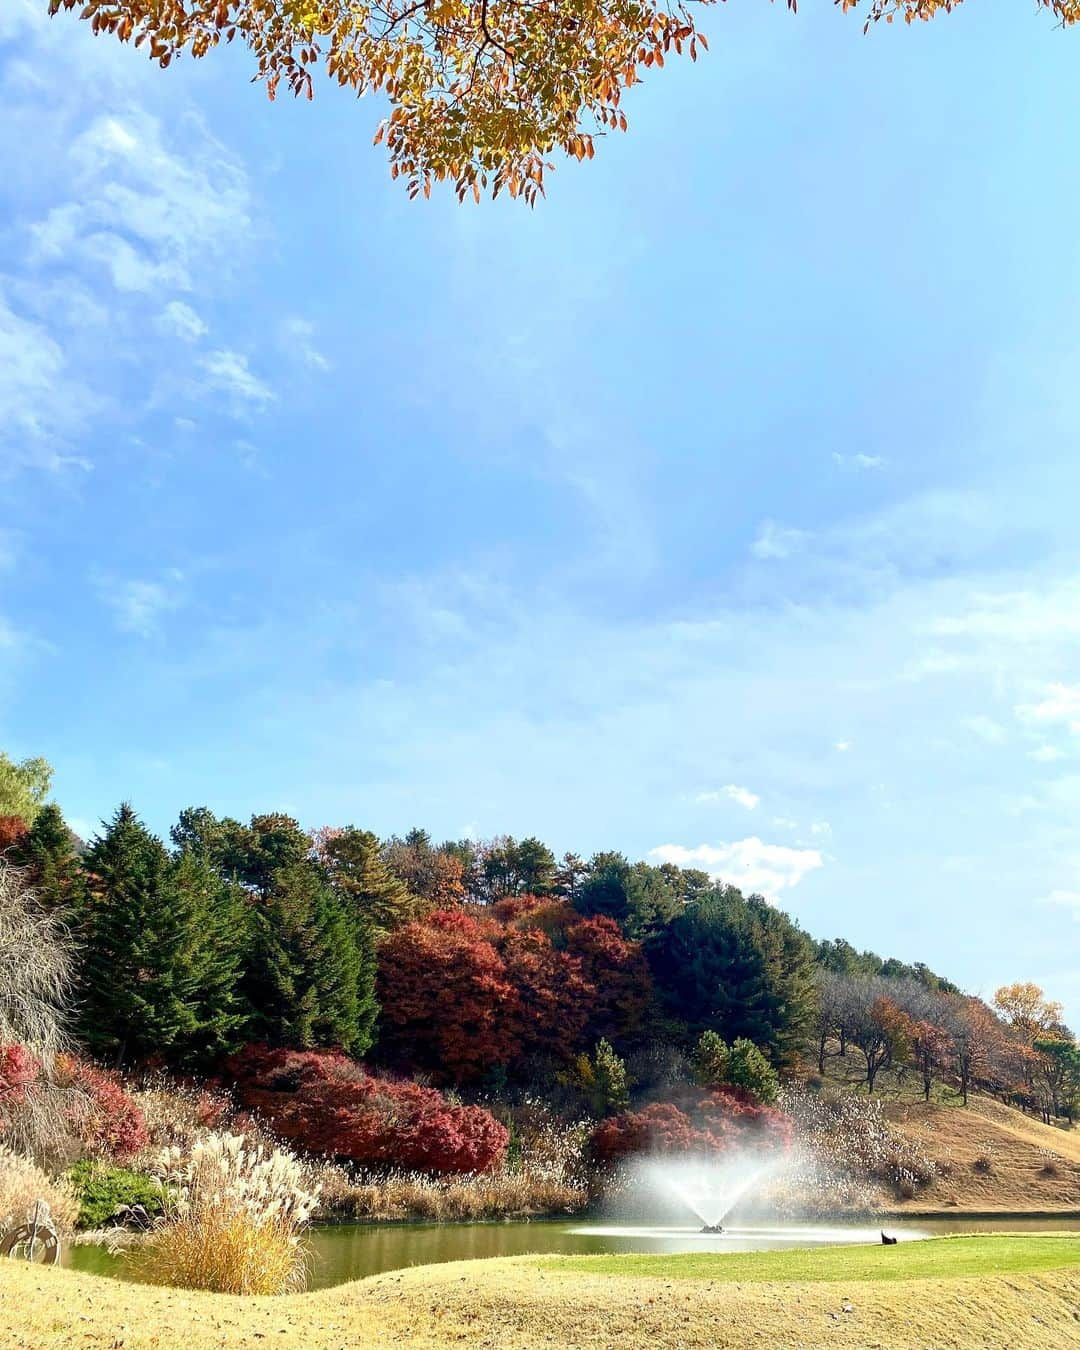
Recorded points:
(1017, 1145)
(531, 1301)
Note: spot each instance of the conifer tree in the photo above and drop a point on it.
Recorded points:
(310, 980)
(219, 923)
(369, 892)
(139, 989)
(48, 850)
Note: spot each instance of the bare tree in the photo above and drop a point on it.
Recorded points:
(36, 980)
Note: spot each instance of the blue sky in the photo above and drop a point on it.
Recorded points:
(721, 509)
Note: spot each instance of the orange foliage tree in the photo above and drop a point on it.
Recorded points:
(481, 91)
(463, 993)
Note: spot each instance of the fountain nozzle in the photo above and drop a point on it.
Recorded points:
(713, 1228)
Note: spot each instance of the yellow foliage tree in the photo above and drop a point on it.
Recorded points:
(481, 91)
(1027, 1009)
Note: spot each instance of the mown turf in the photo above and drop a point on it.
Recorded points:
(946, 1257)
(529, 1302)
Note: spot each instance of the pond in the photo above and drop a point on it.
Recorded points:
(353, 1251)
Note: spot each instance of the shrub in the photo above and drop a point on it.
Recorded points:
(108, 1123)
(328, 1104)
(983, 1164)
(22, 1183)
(233, 1220)
(710, 1059)
(711, 1123)
(849, 1136)
(740, 1065)
(105, 1193)
(750, 1070)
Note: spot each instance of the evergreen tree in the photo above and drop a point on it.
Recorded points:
(604, 891)
(138, 985)
(737, 967)
(49, 850)
(370, 893)
(311, 974)
(219, 923)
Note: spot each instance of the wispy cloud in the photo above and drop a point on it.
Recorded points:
(1061, 703)
(139, 605)
(993, 733)
(1046, 754)
(859, 461)
(298, 343)
(228, 371)
(182, 321)
(732, 792)
(145, 214)
(775, 541)
(1068, 900)
(42, 405)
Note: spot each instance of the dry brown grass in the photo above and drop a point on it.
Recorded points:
(513, 1303)
(233, 1219)
(991, 1158)
(22, 1183)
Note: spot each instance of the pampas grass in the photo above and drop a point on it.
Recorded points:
(234, 1219)
(22, 1182)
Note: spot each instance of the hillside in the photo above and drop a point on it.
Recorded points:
(991, 1158)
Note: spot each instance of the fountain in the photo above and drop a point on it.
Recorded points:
(743, 1201)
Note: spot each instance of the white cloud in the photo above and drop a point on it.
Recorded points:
(751, 864)
(137, 605)
(777, 541)
(842, 746)
(860, 461)
(993, 733)
(147, 213)
(228, 371)
(821, 827)
(1046, 754)
(181, 321)
(298, 341)
(1069, 900)
(1061, 704)
(41, 403)
(730, 793)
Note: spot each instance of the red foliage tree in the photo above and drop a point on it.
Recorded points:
(447, 1003)
(13, 830)
(327, 1103)
(465, 992)
(711, 1122)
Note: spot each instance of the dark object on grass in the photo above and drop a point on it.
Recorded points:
(713, 1228)
(887, 1241)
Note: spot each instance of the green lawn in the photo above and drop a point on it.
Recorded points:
(947, 1258)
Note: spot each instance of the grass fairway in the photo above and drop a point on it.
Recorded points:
(995, 1293)
(949, 1257)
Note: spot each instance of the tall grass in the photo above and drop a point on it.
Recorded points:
(234, 1219)
(22, 1183)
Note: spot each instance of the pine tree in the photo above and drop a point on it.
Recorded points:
(219, 923)
(369, 892)
(139, 987)
(738, 967)
(311, 975)
(49, 851)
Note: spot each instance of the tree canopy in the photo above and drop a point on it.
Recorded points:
(481, 91)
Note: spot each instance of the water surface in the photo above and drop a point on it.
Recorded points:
(354, 1251)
